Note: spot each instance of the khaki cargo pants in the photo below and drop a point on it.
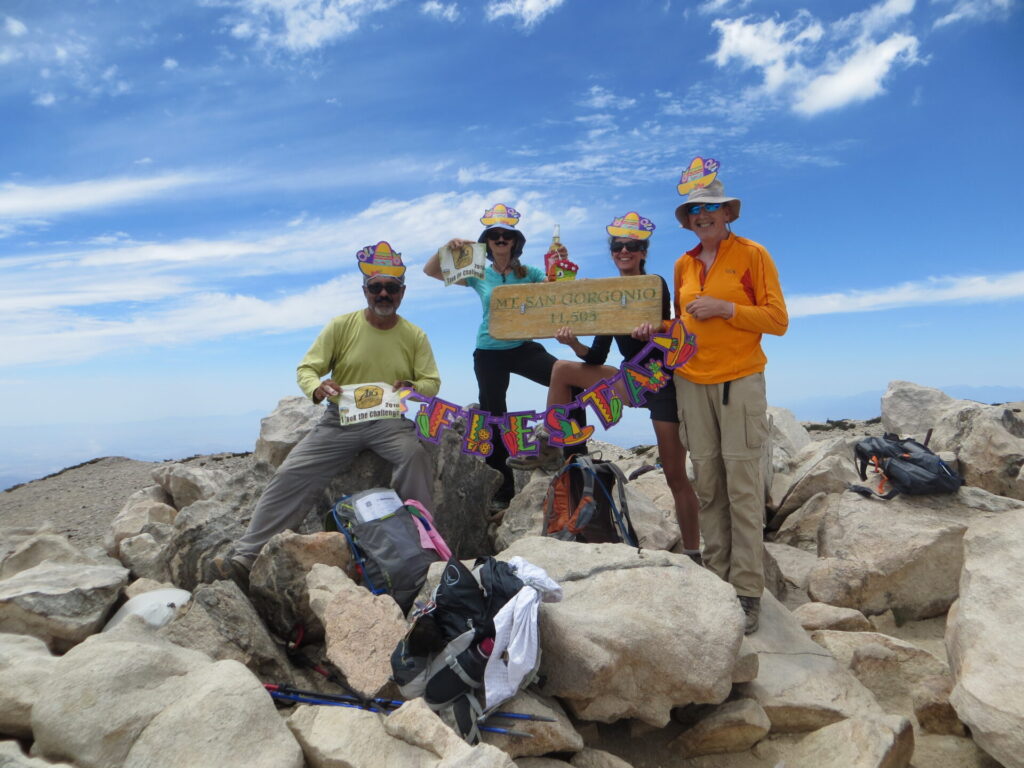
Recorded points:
(725, 441)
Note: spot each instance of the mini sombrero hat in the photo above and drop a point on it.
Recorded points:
(381, 259)
(632, 225)
(501, 216)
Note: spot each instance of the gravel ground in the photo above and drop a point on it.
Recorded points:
(80, 501)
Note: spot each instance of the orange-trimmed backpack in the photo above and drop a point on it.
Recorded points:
(581, 503)
(905, 465)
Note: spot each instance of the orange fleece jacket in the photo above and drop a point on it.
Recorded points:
(744, 274)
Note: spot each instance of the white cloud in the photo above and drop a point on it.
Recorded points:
(19, 201)
(601, 98)
(935, 290)
(45, 100)
(13, 27)
(859, 78)
(444, 11)
(711, 7)
(974, 10)
(527, 12)
(301, 26)
(816, 67)
(170, 63)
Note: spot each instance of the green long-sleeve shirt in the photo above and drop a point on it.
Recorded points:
(355, 353)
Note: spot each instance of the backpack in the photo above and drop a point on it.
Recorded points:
(385, 542)
(907, 465)
(579, 505)
(445, 652)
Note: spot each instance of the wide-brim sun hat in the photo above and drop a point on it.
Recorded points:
(380, 259)
(712, 193)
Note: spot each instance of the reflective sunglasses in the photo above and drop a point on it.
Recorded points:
(632, 246)
(391, 287)
(709, 207)
(498, 235)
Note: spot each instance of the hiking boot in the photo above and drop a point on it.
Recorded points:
(694, 554)
(234, 568)
(751, 611)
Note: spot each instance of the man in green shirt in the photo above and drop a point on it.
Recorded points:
(369, 345)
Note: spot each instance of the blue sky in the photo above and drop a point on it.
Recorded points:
(183, 187)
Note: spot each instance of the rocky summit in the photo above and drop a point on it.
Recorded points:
(891, 633)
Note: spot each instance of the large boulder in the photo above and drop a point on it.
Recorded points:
(123, 699)
(60, 603)
(147, 554)
(825, 467)
(985, 638)
(282, 429)
(882, 741)
(150, 505)
(25, 663)
(202, 532)
(277, 583)
(221, 622)
(800, 529)
(799, 684)
(42, 546)
(904, 554)
(187, 484)
(788, 439)
(361, 631)
(988, 440)
(637, 633)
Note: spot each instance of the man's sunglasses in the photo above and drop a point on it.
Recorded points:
(391, 287)
(632, 246)
(500, 235)
(709, 207)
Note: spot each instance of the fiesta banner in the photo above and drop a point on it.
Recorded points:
(646, 372)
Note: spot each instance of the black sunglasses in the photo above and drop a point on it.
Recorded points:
(499, 235)
(632, 246)
(391, 287)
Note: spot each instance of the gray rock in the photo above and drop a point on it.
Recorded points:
(338, 736)
(40, 547)
(221, 623)
(202, 531)
(825, 467)
(824, 616)
(133, 517)
(25, 663)
(904, 554)
(636, 634)
(732, 727)
(985, 638)
(557, 736)
(932, 707)
(147, 554)
(988, 440)
(277, 583)
(800, 529)
(61, 604)
(858, 742)
(361, 631)
(799, 684)
(794, 564)
(788, 438)
(280, 431)
(11, 756)
(107, 691)
(187, 484)
(888, 667)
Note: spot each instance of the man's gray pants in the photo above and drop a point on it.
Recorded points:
(327, 450)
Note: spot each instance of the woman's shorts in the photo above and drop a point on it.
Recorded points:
(662, 404)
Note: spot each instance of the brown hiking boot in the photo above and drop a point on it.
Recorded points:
(752, 612)
(233, 568)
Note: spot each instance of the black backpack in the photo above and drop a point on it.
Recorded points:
(387, 551)
(581, 504)
(907, 465)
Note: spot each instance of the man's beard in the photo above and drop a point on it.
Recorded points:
(383, 308)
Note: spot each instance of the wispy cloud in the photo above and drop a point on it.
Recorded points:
(18, 201)
(299, 26)
(443, 11)
(816, 67)
(14, 27)
(712, 7)
(934, 290)
(527, 12)
(974, 10)
(170, 63)
(599, 97)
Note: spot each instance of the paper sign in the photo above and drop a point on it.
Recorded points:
(608, 305)
(374, 506)
(467, 261)
(701, 172)
(359, 403)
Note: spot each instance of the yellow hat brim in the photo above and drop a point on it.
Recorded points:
(633, 234)
(381, 269)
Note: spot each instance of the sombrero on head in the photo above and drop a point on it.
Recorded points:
(381, 259)
(632, 225)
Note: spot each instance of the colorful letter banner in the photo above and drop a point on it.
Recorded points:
(640, 376)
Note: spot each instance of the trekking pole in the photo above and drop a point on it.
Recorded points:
(322, 702)
(518, 716)
(343, 697)
(504, 731)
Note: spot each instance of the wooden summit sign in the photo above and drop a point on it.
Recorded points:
(607, 305)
